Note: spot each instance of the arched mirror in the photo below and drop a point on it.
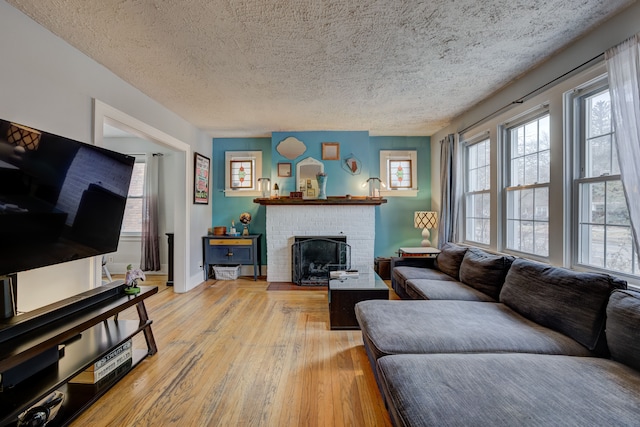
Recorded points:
(306, 171)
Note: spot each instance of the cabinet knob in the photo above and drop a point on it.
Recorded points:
(230, 254)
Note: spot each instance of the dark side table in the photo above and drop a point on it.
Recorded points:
(231, 250)
(345, 293)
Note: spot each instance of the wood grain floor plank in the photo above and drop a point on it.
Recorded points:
(232, 353)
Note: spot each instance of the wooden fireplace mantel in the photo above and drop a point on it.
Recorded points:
(331, 200)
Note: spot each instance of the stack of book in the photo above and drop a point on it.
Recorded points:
(117, 359)
(343, 274)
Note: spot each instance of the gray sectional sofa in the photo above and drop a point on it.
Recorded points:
(538, 355)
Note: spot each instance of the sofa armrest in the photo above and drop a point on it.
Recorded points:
(422, 262)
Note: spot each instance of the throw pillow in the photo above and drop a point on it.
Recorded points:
(449, 259)
(623, 334)
(567, 301)
(484, 272)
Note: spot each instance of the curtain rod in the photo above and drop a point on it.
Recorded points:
(534, 92)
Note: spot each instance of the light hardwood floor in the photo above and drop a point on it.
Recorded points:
(231, 353)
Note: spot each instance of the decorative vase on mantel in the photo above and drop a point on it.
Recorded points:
(322, 185)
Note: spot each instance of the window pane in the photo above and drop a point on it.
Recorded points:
(528, 220)
(544, 141)
(541, 204)
(544, 167)
(132, 222)
(531, 138)
(517, 171)
(599, 114)
(619, 249)
(599, 156)
(530, 155)
(473, 180)
(136, 187)
(400, 173)
(472, 156)
(517, 142)
(541, 238)
(592, 241)
(478, 212)
(594, 201)
(530, 169)
(616, 204)
(241, 174)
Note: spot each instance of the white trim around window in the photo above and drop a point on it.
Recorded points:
(385, 175)
(255, 157)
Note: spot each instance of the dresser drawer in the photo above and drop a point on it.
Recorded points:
(229, 254)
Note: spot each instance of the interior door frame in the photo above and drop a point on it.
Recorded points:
(104, 113)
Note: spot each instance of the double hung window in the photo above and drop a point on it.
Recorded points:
(527, 189)
(604, 236)
(132, 221)
(477, 191)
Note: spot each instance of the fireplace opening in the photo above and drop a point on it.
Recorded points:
(314, 257)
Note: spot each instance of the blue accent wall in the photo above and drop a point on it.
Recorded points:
(226, 209)
(394, 219)
(339, 181)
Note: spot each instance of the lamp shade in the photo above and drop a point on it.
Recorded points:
(424, 219)
(23, 136)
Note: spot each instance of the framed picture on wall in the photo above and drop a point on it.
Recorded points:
(330, 151)
(284, 169)
(201, 168)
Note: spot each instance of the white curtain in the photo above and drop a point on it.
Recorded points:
(623, 66)
(150, 240)
(450, 191)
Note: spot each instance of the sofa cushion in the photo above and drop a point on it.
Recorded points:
(397, 327)
(484, 271)
(623, 327)
(408, 273)
(567, 301)
(508, 390)
(450, 258)
(400, 276)
(444, 289)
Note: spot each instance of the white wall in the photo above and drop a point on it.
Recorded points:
(47, 84)
(611, 33)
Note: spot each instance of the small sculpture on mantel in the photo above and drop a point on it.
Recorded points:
(245, 218)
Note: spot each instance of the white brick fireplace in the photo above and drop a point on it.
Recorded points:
(284, 222)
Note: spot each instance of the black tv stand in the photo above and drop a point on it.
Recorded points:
(89, 328)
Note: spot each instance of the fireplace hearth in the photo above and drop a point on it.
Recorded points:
(314, 257)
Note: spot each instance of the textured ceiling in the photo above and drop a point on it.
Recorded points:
(250, 67)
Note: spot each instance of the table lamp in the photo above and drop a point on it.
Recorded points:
(426, 221)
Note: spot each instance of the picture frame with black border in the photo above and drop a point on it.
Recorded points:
(201, 172)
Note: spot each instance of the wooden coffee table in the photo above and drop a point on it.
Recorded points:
(345, 293)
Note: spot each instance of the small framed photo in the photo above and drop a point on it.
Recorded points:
(201, 179)
(330, 151)
(284, 169)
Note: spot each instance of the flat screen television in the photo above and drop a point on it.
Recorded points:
(60, 200)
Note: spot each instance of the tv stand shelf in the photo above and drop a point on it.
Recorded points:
(88, 335)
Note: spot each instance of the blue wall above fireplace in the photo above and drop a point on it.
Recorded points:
(394, 220)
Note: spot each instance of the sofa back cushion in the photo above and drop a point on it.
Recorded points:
(450, 258)
(484, 272)
(623, 327)
(570, 302)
